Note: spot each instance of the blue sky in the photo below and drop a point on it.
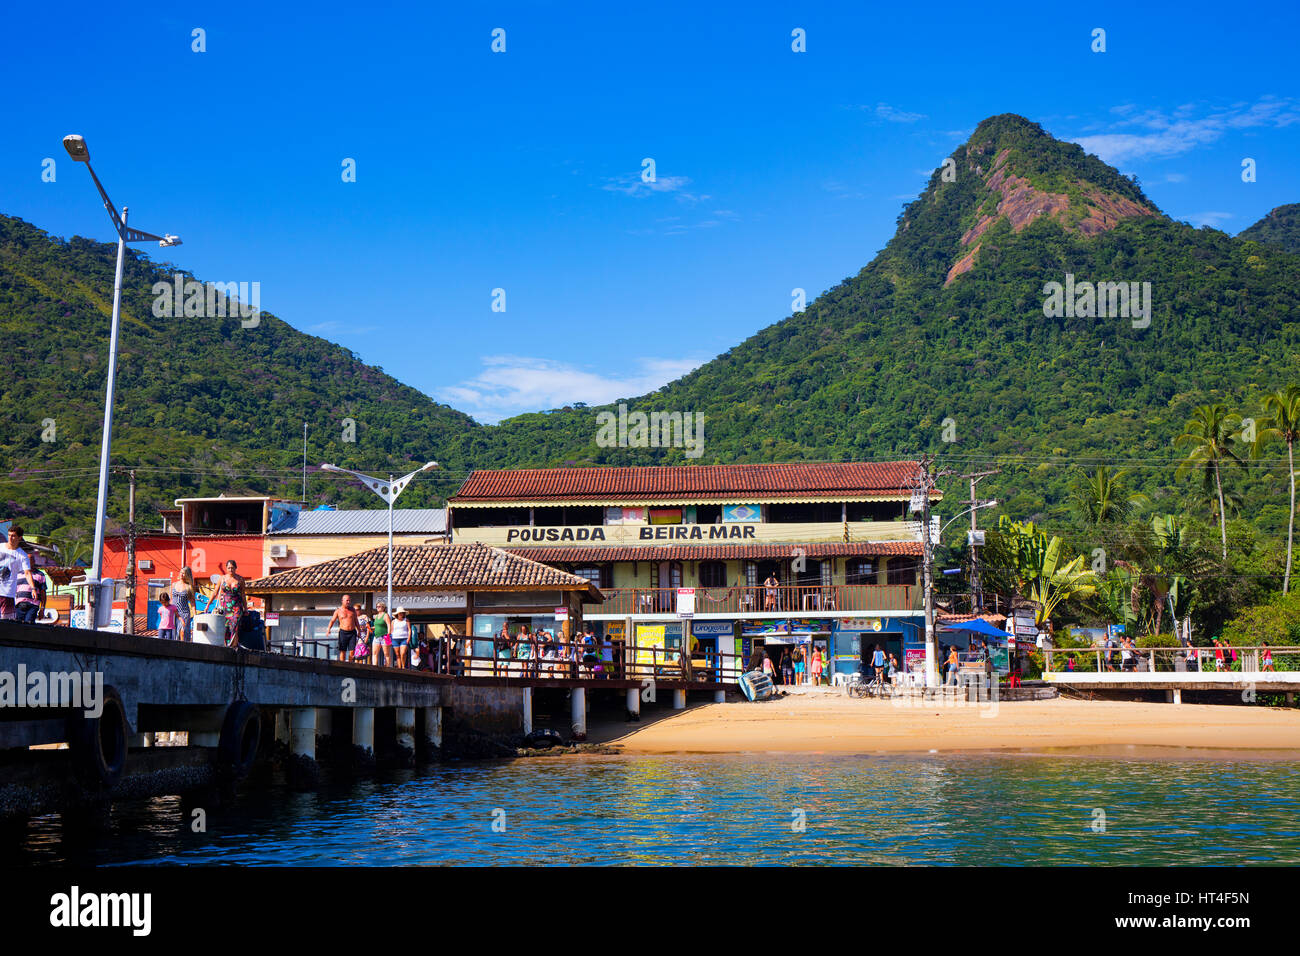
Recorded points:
(522, 170)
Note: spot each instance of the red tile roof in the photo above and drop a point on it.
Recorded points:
(459, 567)
(717, 552)
(827, 480)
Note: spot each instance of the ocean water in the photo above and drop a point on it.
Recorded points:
(757, 809)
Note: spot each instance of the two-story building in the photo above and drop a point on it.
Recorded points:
(733, 559)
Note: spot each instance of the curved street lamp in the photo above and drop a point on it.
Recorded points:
(388, 490)
(77, 149)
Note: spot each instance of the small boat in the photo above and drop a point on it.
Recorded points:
(757, 686)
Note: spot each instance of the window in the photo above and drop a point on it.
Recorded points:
(859, 571)
(601, 575)
(899, 571)
(713, 574)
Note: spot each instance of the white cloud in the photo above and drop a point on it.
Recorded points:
(1175, 178)
(893, 115)
(512, 384)
(634, 185)
(1171, 135)
(1211, 219)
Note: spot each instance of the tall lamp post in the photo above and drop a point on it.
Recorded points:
(388, 490)
(76, 147)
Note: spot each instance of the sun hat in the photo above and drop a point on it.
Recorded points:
(400, 610)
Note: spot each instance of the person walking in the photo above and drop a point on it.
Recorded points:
(797, 659)
(231, 602)
(953, 666)
(1266, 659)
(30, 599)
(401, 637)
(345, 615)
(878, 665)
(15, 565)
(501, 650)
(182, 599)
(166, 617)
(768, 669)
(382, 642)
(817, 666)
(787, 668)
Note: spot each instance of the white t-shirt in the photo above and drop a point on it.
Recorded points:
(13, 562)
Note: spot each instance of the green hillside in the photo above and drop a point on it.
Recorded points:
(945, 325)
(1280, 228)
(875, 365)
(204, 406)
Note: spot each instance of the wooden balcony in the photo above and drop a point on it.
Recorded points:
(785, 599)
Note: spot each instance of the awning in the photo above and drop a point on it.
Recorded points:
(977, 626)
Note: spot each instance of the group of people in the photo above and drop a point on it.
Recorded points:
(363, 637)
(22, 584)
(178, 605)
(794, 666)
(544, 652)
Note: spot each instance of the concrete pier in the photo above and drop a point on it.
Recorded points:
(578, 712)
(528, 711)
(363, 728)
(406, 728)
(719, 696)
(633, 704)
(303, 732)
(679, 700)
(432, 728)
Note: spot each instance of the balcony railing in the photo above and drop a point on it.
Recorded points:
(784, 599)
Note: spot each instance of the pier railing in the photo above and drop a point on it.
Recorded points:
(1259, 659)
(782, 599)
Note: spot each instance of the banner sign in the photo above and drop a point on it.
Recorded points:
(742, 513)
(423, 599)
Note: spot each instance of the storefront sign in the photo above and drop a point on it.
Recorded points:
(685, 602)
(423, 599)
(860, 624)
(627, 534)
(561, 613)
(712, 628)
(272, 620)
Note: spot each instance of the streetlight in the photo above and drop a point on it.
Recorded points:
(76, 147)
(388, 490)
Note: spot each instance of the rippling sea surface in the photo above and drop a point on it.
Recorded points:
(743, 809)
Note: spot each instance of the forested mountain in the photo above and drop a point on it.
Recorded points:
(1280, 228)
(204, 406)
(947, 324)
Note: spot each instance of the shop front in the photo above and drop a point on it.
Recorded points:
(786, 641)
(856, 640)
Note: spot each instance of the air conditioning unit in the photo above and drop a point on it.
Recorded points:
(279, 551)
(146, 565)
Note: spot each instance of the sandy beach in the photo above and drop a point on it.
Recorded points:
(835, 724)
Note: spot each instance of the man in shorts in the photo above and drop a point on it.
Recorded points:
(346, 616)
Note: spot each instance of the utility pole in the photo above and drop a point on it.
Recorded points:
(926, 483)
(129, 622)
(977, 590)
(304, 463)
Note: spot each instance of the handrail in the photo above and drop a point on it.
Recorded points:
(1251, 659)
(760, 599)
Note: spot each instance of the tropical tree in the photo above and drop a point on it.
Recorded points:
(1037, 565)
(1102, 497)
(1281, 422)
(1210, 433)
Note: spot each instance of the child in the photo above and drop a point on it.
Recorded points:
(166, 618)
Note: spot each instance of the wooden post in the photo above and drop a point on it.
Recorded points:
(130, 558)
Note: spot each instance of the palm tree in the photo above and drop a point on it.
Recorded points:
(1101, 497)
(1281, 420)
(1210, 433)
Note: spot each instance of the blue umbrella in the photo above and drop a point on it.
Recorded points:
(978, 626)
